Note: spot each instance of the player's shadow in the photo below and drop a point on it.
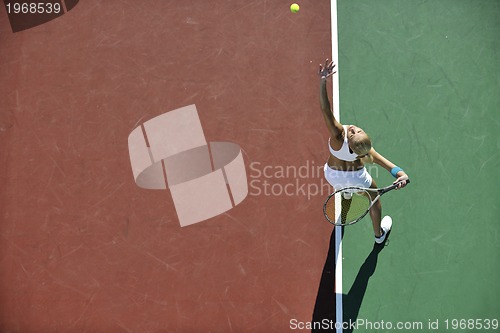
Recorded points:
(324, 315)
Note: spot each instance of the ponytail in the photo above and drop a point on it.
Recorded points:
(367, 159)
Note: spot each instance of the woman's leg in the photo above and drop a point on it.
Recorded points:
(345, 206)
(376, 212)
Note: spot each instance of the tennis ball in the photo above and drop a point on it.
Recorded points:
(294, 8)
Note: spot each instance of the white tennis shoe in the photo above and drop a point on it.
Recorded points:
(385, 225)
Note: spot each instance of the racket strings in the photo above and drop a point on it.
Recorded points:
(329, 209)
(352, 207)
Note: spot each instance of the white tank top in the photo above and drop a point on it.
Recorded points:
(344, 153)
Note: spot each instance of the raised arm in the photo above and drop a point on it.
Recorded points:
(396, 171)
(334, 127)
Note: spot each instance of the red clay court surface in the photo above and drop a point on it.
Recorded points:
(82, 248)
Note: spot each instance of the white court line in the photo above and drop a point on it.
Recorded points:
(338, 230)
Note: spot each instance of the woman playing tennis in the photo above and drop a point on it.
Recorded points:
(350, 148)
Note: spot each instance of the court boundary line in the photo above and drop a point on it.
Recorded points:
(338, 229)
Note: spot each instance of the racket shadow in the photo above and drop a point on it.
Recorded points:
(325, 306)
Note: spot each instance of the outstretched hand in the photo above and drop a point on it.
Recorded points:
(327, 69)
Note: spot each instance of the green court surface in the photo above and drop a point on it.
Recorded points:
(423, 79)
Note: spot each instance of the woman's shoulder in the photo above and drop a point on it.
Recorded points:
(340, 135)
(337, 141)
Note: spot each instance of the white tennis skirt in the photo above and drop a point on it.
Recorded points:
(342, 179)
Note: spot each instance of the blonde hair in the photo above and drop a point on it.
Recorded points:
(367, 159)
(363, 145)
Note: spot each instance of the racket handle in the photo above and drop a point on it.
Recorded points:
(396, 185)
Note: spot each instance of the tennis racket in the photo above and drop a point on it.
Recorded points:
(355, 203)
